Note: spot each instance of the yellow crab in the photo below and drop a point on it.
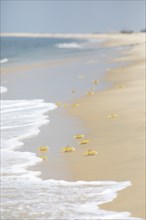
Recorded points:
(119, 86)
(43, 157)
(59, 104)
(90, 93)
(78, 136)
(84, 141)
(112, 116)
(75, 105)
(90, 152)
(95, 81)
(66, 105)
(43, 148)
(67, 149)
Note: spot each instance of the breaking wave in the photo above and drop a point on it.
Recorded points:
(72, 45)
(4, 60)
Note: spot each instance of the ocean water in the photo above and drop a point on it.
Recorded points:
(24, 195)
(27, 50)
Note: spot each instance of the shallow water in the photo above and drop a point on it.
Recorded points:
(21, 50)
(24, 109)
(32, 198)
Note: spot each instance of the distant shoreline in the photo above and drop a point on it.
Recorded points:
(110, 39)
(47, 34)
(56, 35)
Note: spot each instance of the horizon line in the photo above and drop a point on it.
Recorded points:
(63, 35)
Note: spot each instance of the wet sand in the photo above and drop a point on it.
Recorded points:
(119, 141)
(54, 83)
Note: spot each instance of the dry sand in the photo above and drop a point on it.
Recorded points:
(120, 141)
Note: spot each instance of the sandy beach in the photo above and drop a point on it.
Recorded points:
(72, 110)
(111, 117)
(119, 141)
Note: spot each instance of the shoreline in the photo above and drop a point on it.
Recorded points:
(50, 76)
(120, 142)
(93, 122)
(56, 35)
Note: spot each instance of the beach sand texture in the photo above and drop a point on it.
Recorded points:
(113, 120)
(119, 141)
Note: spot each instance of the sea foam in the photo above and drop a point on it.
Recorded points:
(72, 45)
(22, 119)
(58, 199)
(4, 60)
(24, 195)
(3, 89)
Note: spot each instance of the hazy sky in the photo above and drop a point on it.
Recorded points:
(72, 16)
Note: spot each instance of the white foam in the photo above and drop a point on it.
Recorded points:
(72, 45)
(3, 89)
(54, 199)
(21, 119)
(44, 199)
(4, 60)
